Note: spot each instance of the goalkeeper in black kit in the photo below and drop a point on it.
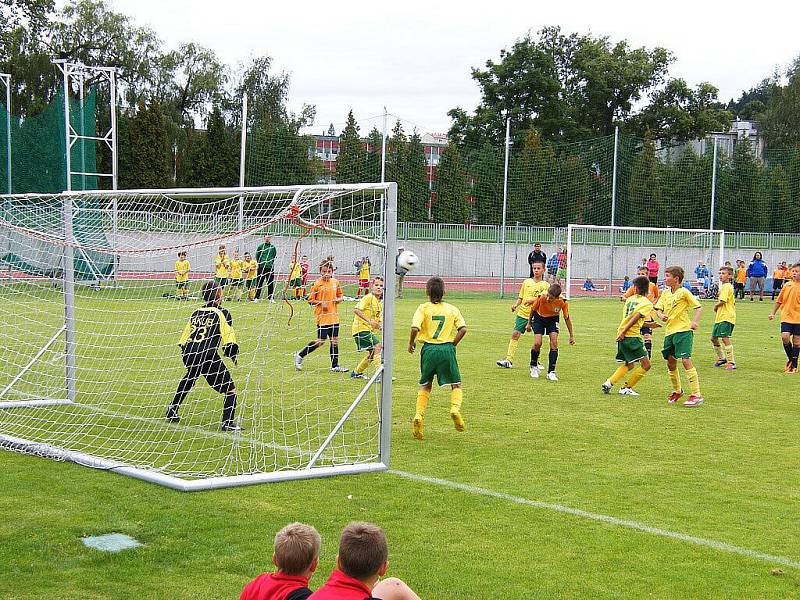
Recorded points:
(209, 328)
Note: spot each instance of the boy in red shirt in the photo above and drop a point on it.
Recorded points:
(296, 555)
(361, 562)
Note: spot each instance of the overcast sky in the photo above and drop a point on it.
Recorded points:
(415, 57)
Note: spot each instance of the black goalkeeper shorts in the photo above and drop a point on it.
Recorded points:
(211, 367)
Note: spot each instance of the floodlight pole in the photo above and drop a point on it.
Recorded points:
(383, 146)
(6, 79)
(243, 143)
(613, 209)
(713, 184)
(505, 207)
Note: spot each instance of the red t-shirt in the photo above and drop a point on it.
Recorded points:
(272, 586)
(342, 587)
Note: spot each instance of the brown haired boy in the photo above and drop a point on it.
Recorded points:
(296, 555)
(788, 303)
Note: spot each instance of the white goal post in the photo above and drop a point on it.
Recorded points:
(93, 315)
(605, 254)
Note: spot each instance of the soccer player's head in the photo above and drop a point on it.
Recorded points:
(296, 549)
(674, 273)
(537, 247)
(304, 258)
(642, 271)
(554, 291)
(363, 551)
(796, 272)
(435, 289)
(326, 268)
(725, 274)
(642, 285)
(377, 287)
(538, 269)
(247, 256)
(182, 255)
(236, 254)
(212, 292)
(222, 249)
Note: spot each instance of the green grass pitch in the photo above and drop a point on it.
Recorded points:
(485, 524)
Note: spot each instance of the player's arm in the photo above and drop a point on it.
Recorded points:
(775, 308)
(412, 340)
(228, 336)
(187, 333)
(568, 321)
(312, 295)
(361, 315)
(630, 322)
(339, 295)
(460, 333)
(697, 313)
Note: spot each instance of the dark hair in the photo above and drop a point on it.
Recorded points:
(676, 272)
(435, 289)
(210, 289)
(538, 261)
(363, 549)
(642, 285)
(181, 253)
(554, 290)
(327, 263)
(642, 268)
(653, 255)
(758, 256)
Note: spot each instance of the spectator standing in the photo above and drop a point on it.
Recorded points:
(780, 275)
(652, 269)
(536, 255)
(757, 271)
(741, 280)
(265, 257)
(552, 267)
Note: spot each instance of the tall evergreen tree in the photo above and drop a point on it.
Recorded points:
(643, 206)
(416, 179)
(450, 204)
(741, 206)
(215, 157)
(351, 164)
(146, 155)
(486, 174)
(778, 194)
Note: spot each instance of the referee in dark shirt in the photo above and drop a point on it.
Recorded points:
(536, 256)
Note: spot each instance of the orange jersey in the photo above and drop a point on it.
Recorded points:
(789, 299)
(326, 293)
(781, 274)
(741, 275)
(545, 308)
(652, 292)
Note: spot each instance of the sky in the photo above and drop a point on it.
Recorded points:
(415, 58)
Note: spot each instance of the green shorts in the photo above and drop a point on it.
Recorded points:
(365, 340)
(439, 360)
(722, 329)
(181, 285)
(631, 350)
(236, 282)
(221, 281)
(678, 345)
(520, 324)
(561, 273)
(295, 283)
(250, 283)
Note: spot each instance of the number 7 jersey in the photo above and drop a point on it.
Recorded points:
(437, 323)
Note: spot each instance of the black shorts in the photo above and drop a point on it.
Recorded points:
(542, 325)
(211, 367)
(327, 331)
(790, 328)
(646, 330)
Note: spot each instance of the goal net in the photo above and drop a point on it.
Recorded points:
(93, 317)
(599, 258)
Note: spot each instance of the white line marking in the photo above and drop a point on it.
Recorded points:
(722, 546)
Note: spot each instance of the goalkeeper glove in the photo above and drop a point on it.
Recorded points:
(231, 351)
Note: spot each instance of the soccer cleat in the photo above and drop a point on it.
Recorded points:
(792, 370)
(535, 372)
(674, 397)
(606, 386)
(788, 366)
(552, 376)
(339, 369)
(231, 427)
(694, 400)
(272, 300)
(354, 375)
(730, 367)
(626, 391)
(172, 417)
(720, 362)
(539, 366)
(458, 420)
(505, 363)
(418, 427)
(298, 362)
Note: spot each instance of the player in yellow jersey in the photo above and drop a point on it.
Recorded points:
(439, 326)
(366, 326)
(249, 272)
(531, 288)
(630, 341)
(296, 279)
(673, 308)
(222, 266)
(363, 276)
(236, 279)
(652, 295)
(182, 268)
(724, 321)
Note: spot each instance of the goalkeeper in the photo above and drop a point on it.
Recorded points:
(208, 328)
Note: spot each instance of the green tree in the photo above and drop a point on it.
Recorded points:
(741, 205)
(575, 191)
(145, 151)
(416, 175)
(215, 156)
(781, 120)
(643, 205)
(533, 197)
(351, 164)
(778, 195)
(450, 204)
(485, 168)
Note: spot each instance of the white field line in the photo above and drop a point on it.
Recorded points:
(575, 512)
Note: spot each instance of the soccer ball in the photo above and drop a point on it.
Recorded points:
(407, 260)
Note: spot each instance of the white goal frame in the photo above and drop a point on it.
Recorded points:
(386, 211)
(571, 228)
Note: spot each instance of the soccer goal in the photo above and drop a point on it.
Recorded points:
(93, 315)
(599, 258)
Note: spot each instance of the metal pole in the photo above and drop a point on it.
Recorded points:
(713, 184)
(114, 167)
(569, 260)
(69, 301)
(505, 210)
(388, 323)
(243, 143)
(613, 210)
(82, 133)
(7, 80)
(383, 146)
(67, 127)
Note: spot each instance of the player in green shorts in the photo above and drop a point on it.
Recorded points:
(367, 320)
(439, 327)
(531, 288)
(724, 321)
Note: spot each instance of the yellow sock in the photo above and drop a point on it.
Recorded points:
(694, 381)
(362, 366)
(422, 402)
(637, 374)
(456, 398)
(621, 371)
(377, 360)
(729, 353)
(675, 378)
(252, 293)
(512, 349)
(719, 352)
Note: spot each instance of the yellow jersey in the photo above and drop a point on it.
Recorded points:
(530, 290)
(182, 268)
(635, 304)
(249, 268)
(437, 323)
(295, 271)
(372, 309)
(726, 312)
(236, 269)
(676, 305)
(221, 266)
(363, 271)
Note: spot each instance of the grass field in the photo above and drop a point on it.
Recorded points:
(554, 491)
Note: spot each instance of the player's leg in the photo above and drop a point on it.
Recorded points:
(334, 350)
(727, 347)
(184, 387)
(684, 350)
(636, 374)
(552, 357)
(795, 348)
(219, 379)
(786, 340)
(271, 285)
(719, 352)
(393, 588)
(535, 350)
(427, 369)
(364, 343)
(322, 333)
(672, 369)
(508, 361)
